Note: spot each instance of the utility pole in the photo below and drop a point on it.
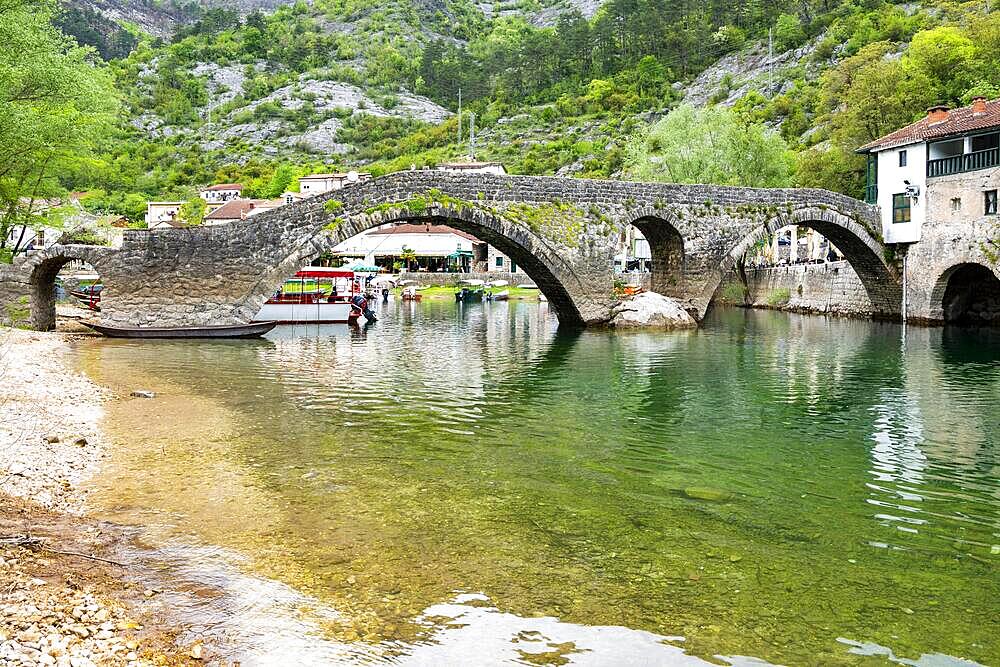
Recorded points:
(770, 61)
(472, 136)
(460, 119)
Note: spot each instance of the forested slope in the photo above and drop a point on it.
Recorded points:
(556, 86)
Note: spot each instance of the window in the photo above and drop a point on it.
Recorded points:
(499, 262)
(991, 202)
(985, 142)
(902, 158)
(900, 208)
(956, 204)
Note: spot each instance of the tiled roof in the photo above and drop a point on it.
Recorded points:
(361, 174)
(234, 209)
(408, 228)
(468, 165)
(225, 186)
(959, 121)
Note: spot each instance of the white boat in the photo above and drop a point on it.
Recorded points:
(500, 296)
(317, 295)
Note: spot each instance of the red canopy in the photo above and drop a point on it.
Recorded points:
(323, 272)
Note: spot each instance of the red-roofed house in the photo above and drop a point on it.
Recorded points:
(240, 209)
(221, 193)
(947, 163)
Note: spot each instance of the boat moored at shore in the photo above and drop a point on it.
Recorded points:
(318, 295)
(252, 330)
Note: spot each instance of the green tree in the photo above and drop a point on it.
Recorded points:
(945, 57)
(709, 146)
(649, 76)
(280, 182)
(882, 96)
(788, 32)
(193, 211)
(55, 105)
(409, 256)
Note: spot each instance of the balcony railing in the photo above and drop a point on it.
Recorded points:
(961, 163)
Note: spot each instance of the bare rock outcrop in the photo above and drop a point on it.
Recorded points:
(650, 310)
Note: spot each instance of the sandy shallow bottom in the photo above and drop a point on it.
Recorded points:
(64, 598)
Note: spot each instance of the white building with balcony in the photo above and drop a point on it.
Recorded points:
(221, 193)
(911, 170)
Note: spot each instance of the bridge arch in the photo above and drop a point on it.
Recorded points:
(558, 279)
(43, 266)
(967, 293)
(857, 243)
(666, 246)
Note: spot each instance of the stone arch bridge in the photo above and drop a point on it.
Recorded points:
(563, 232)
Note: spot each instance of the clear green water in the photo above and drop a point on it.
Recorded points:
(770, 485)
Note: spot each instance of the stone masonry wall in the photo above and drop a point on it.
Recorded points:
(953, 235)
(829, 288)
(561, 231)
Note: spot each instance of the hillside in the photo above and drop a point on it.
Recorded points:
(556, 86)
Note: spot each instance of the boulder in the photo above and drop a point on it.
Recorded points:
(651, 310)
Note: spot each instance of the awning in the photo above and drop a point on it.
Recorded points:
(459, 254)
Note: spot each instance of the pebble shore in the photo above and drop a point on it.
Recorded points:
(50, 438)
(61, 602)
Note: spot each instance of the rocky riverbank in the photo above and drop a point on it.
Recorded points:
(64, 601)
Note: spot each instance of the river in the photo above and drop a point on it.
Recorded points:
(468, 484)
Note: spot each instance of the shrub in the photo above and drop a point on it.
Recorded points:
(779, 297)
(733, 294)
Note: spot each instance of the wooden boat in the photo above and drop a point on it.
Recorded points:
(252, 330)
(500, 296)
(470, 291)
(411, 294)
(317, 295)
(469, 295)
(92, 304)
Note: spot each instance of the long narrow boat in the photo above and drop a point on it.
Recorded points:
(252, 330)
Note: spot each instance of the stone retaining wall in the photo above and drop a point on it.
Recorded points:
(452, 278)
(831, 288)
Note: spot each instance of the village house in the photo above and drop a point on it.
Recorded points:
(217, 195)
(240, 209)
(163, 214)
(945, 164)
(472, 166)
(317, 184)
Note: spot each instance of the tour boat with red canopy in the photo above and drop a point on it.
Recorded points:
(318, 295)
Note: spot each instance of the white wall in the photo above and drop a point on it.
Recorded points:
(890, 182)
(382, 245)
(505, 264)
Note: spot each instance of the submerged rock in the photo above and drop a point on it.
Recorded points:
(706, 493)
(651, 310)
(143, 393)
